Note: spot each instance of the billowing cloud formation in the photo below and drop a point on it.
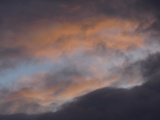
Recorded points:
(141, 103)
(88, 44)
(46, 91)
(41, 34)
(68, 37)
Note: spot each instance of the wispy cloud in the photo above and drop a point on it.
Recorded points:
(94, 44)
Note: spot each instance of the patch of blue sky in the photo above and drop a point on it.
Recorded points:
(25, 69)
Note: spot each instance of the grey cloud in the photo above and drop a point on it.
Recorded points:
(140, 103)
(18, 16)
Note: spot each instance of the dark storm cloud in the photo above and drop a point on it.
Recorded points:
(19, 13)
(140, 103)
(153, 7)
(151, 66)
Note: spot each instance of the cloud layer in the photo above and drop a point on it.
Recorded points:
(88, 44)
(141, 102)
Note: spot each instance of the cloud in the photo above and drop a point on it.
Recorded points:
(54, 28)
(52, 41)
(47, 92)
(96, 43)
(140, 103)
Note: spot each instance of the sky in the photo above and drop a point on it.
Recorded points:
(79, 59)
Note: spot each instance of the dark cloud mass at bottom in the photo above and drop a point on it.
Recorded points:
(138, 103)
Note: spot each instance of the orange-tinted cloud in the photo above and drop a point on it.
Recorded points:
(48, 90)
(57, 39)
(98, 38)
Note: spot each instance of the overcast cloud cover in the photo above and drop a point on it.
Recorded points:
(79, 59)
